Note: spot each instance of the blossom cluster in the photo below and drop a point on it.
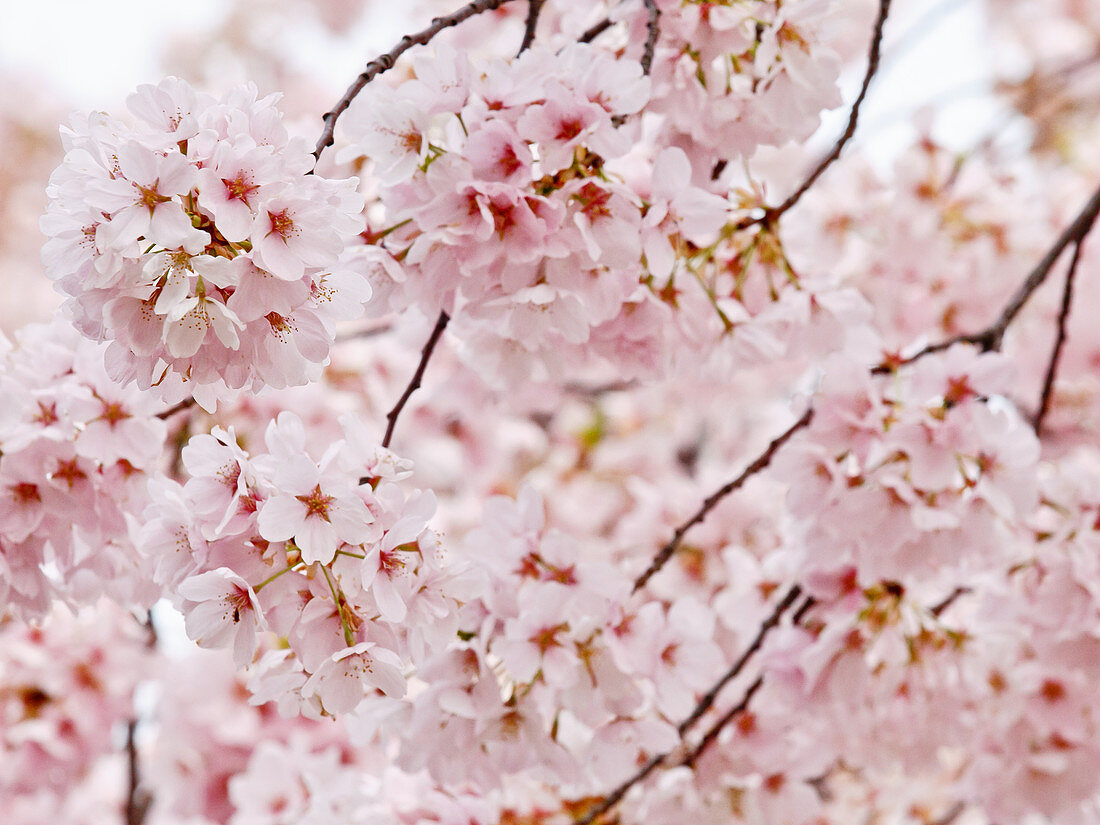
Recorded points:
(637, 557)
(197, 243)
(331, 555)
(940, 474)
(509, 202)
(763, 72)
(76, 450)
(67, 683)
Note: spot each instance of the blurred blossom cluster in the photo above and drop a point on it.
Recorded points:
(525, 457)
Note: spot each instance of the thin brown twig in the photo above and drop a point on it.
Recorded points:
(653, 30)
(1059, 342)
(717, 727)
(800, 614)
(772, 214)
(992, 336)
(414, 384)
(385, 62)
(186, 404)
(595, 390)
(595, 31)
(612, 799)
(137, 799)
(534, 7)
(939, 607)
(714, 730)
(708, 700)
(761, 462)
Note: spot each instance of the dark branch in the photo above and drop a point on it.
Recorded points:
(991, 337)
(873, 59)
(762, 461)
(1059, 342)
(715, 729)
(180, 407)
(708, 700)
(385, 62)
(414, 384)
(653, 29)
(534, 7)
(948, 600)
(595, 31)
(800, 614)
(137, 799)
(613, 798)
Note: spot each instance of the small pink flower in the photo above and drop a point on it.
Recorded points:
(343, 680)
(318, 507)
(224, 610)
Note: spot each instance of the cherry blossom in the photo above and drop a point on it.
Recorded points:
(187, 208)
(560, 435)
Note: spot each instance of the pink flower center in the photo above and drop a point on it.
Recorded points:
(390, 562)
(113, 413)
(238, 600)
(148, 196)
(46, 414)
(547, 637)
(282, 224)
(25, 492)
(593, 200)
(316, 502)
(239, 188)
(69, 472)
(569, 128)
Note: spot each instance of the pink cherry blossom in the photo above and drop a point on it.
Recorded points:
(225, 611)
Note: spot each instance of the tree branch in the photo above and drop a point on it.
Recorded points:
(1059, 342)
(761, 461)
(137, 799)
(727, 717)
(774, 213)
(595, 31)
(385, 62)
(653, 29)
(704, 704)
(186, 404)
(708, 700)
(534, 7)
(414, 384)
(715, 729)
(991, 337)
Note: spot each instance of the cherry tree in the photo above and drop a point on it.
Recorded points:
(748, 482)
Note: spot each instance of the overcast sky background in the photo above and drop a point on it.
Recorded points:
(99, 52)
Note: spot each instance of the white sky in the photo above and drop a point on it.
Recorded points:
(96, 50)
(99, 51)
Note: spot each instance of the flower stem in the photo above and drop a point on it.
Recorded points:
(348, 638)
(274, 576)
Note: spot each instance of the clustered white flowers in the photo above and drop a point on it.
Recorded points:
(332, 554)
(76, 451)
(622, 585)
(197, 242)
